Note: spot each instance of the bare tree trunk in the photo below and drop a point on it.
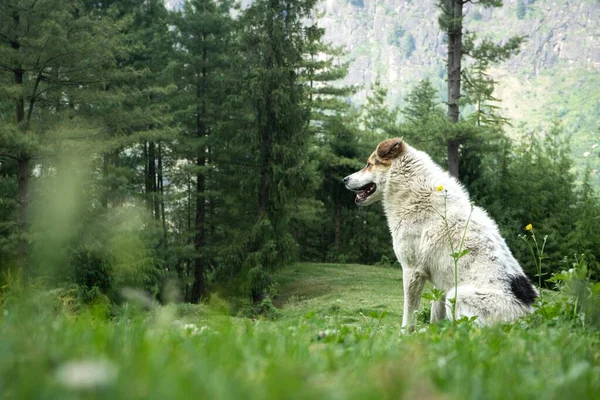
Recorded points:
(186, 270)
(117, 199)
(189, 205)
(105, 165)
(199, 287)
(338, 222)
(146, 176)
(453, 157)
(198, 290)
(150, 152)
(152, 179)
(454, 77)
(23, 168)
(161, 190)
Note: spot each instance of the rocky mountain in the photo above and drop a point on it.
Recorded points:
(556, 75)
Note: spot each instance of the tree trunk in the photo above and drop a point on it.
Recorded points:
(453, 157)
(199, 239)
(189, 207)
(23, 166)
(161, 190)
(151, 180)
(186, 271)
(454, 76)
(116, 197)
(199, 287)
(105, 165)
(146, 175)
(338, 222)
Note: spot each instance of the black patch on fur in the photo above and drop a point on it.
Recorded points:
(523, 289)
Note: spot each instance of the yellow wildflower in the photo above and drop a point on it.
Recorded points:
(529, 227)
(439, 188)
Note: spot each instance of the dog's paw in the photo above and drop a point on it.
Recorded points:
(407, 330)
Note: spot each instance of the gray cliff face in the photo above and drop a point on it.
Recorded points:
(399, 41)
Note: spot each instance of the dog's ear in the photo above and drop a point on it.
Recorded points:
(390, 149)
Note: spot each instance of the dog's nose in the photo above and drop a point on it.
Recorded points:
(346, 179)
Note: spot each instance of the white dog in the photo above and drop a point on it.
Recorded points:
(426, 208)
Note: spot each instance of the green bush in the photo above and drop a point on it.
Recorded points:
(91, 272)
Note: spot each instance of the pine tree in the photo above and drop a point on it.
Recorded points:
(203, 31)
(323, 69)
(424, 119)
(541, 191)
(422, 104)
(479, 85)
(276, 141)
(328, 101)
(585, 237)
(451, 22)
(52, 53)
(376, 116)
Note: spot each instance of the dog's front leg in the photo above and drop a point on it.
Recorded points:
(413, 288)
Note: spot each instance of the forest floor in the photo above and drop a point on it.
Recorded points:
(336, 336)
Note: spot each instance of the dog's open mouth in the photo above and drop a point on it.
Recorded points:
(364, 192)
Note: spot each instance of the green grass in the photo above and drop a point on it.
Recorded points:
(340, 291)
(337, 338)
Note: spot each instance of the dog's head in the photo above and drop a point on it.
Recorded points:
(368, 183)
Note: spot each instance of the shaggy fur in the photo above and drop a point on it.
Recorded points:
(491, 284)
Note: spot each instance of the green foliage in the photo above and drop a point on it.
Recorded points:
(92, 273)
(422, 105)
(580, 297)
(376, 117)
(385, 262)
(479, 86)
(54, 56)
(584, 234)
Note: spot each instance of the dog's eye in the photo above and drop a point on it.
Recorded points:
(368, 164)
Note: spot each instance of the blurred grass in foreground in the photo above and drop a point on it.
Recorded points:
(337, 338)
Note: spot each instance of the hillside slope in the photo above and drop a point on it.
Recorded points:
(345, 291)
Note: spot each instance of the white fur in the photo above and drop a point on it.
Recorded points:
(415, 212)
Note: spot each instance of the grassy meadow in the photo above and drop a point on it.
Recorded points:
(334, 335)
